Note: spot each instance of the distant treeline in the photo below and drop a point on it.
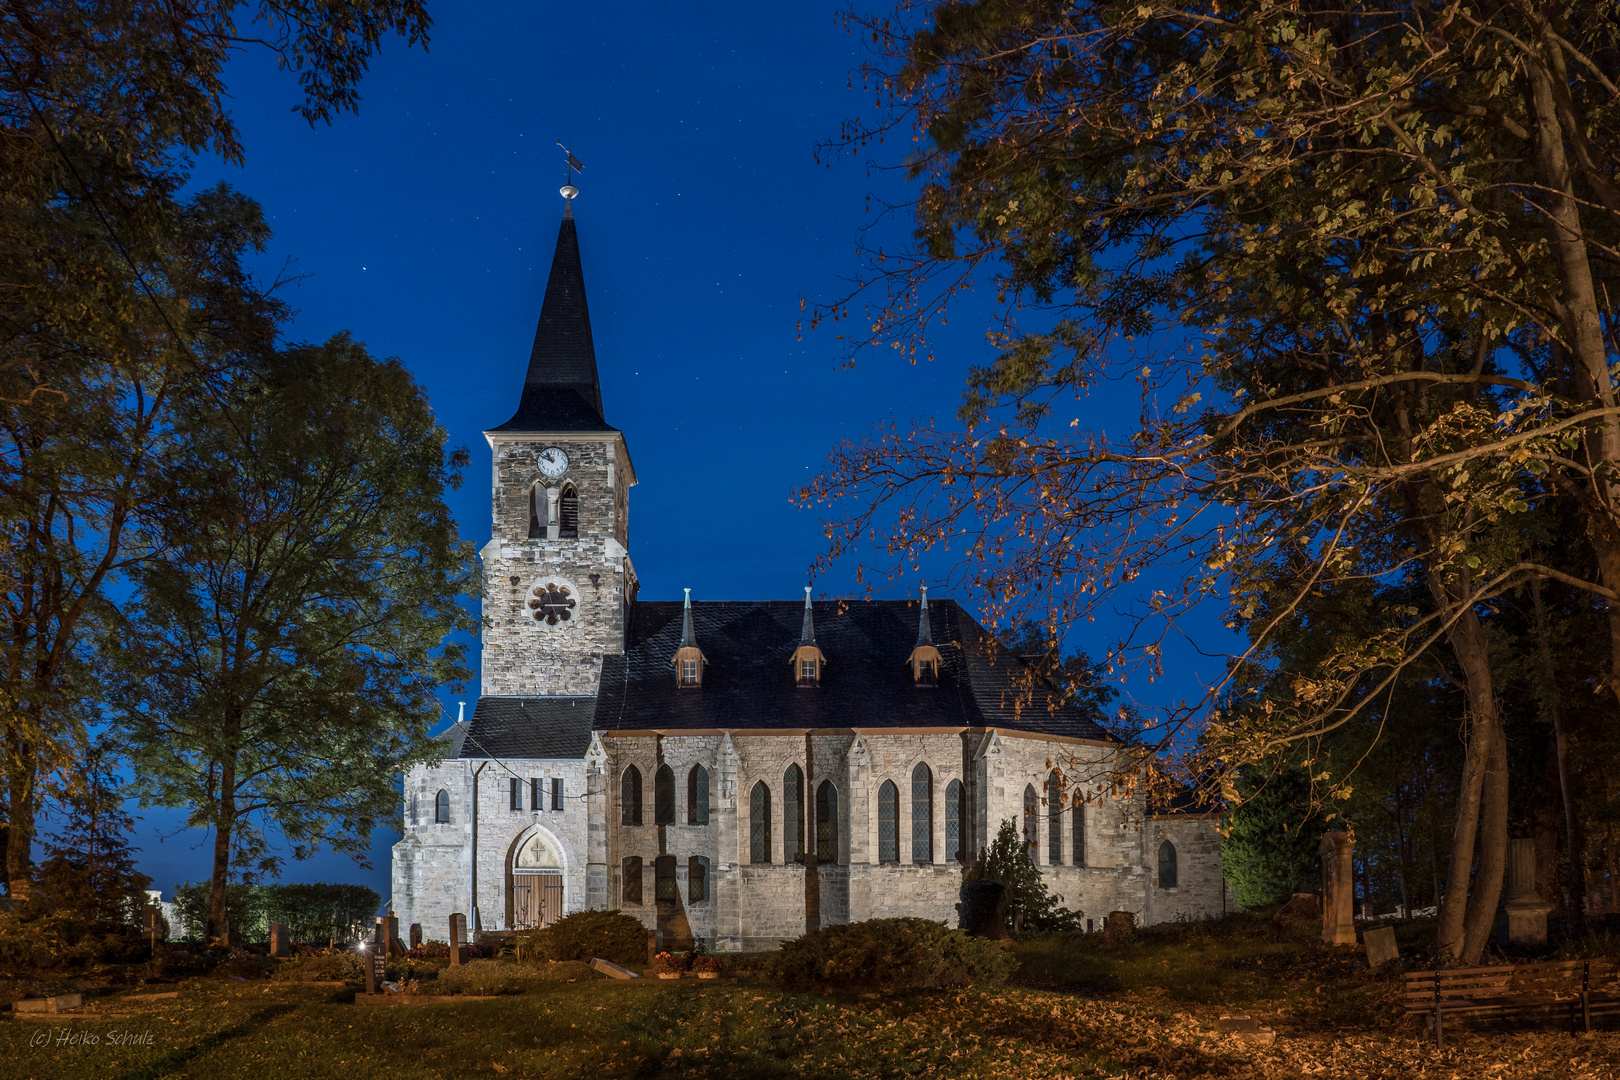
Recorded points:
(314, 914)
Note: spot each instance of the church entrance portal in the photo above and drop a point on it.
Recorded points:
(535, 884)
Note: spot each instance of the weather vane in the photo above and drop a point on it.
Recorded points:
(568, 190)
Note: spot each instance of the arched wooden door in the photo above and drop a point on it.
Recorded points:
(535, 884)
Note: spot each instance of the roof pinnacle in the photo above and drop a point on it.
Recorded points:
(807, 635)
(924, 632)
(688, 636)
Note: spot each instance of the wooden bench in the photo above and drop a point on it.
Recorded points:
(1586, 986)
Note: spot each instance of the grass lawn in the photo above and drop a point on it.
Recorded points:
(1080, 1009)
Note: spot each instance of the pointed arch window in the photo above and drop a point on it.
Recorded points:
(537, 512)
(759, 824)
(922, 814)
(1054, 818)
(1032, 821)
(792, 814)
(630, 797)
(697, 879)
(697, 796)
(666, 889)
(632, 879)
(1077, 818)
(415, 819)
(953, 821)
(664, 796)
(441, 807)
(1167, 865)
(826, 823)
(888, 822)
(568, 513)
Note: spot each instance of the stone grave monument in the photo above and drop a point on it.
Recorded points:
(1337, 852)
(1526, 911)
(458, 939)
(416, 934)
(1381, 947)
(280, 941)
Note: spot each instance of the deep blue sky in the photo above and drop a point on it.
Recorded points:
(425, 224)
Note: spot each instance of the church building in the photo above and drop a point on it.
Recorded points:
(741, 770)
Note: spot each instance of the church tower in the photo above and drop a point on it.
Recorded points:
(557, 573)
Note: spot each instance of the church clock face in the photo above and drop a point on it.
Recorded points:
(552, 462)
(553, 603)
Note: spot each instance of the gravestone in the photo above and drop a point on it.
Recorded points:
(1526, 911)
(280, 942)
(416, 935)
(1337, 852)
(154, 927)
(1119, 927)
(984, 909)
(458, 938)
(1381, 947)
(391, 940)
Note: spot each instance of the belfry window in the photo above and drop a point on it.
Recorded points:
(537, 514)
(664, 797)
(568, 513)
(441, 807)
(630, 796)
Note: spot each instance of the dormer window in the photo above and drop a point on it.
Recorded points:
(689, 659)
(925, 662)
(568, 513)
(807, 659)
(807, 673)
(689, 672)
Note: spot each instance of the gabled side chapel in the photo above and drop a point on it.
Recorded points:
(739, 770)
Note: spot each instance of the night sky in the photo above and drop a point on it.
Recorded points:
(425, 224)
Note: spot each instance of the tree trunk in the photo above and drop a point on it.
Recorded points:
(219, 926)
(1574, 843)
(21, 772)
(1493, 836)
(1481, 801)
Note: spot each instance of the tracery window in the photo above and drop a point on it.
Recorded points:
(1032, 820)
(759, 824)
(826, 822)
(630, 796)
(697, 879)
(922, 814)
(1078, 824)
(1054, 818)
(888, 822)
(792, 814)
(954, 815)
(664, 796)
(665, 888)
(697, 796)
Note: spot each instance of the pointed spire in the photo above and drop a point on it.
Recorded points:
(924, 632)
(688, 636)
(561, 391)
(807, 635)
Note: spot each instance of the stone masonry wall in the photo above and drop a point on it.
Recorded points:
(1200, 890)
(523, 656)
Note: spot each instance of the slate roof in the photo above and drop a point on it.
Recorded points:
(506, 727)
(561, 391)
(748, 681)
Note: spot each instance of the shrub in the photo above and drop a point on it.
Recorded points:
(1269, 851)
(586, 935)
(430, 950)
(890, 954)
(498, 977)
(324, 966)
(666, 963)
(317, 913)
(55, 940)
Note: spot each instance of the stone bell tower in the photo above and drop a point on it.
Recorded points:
(557, 571)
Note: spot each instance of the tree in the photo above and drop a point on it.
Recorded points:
(1269, 848)
(1355, 257)
(118, 297)
(1007, 860)
(278, 663)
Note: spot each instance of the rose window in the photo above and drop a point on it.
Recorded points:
(551, 603)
